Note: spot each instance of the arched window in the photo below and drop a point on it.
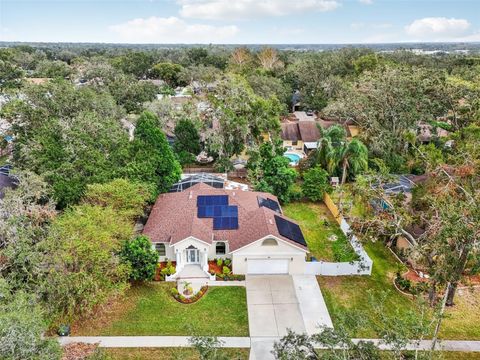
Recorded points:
(221, 248)
(160, 249)
(269, 242)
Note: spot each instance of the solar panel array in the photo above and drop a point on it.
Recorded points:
(225, 217)
(269, 203)
(290, 230)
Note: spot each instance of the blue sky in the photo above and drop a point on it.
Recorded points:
(240, 21)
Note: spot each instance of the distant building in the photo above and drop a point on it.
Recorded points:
(37, 81)
(301, 136)
(6, 180)
(427, 133)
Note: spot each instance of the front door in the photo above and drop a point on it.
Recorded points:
(193, 256)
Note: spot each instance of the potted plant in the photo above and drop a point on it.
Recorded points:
(187, 288)
(64, 330)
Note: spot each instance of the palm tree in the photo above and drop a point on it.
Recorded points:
(354, 158)
(327, 155)
(328, 152)
(336, 154)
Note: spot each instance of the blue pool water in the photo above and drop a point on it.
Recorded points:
(294, 158)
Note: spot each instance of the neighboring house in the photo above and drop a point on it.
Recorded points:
(301, 132)
(156, 82)
(427, 133)
(6, 181)
(301, 136)
(402, 184)
(205, 222)
(296, 101)
(37, 81)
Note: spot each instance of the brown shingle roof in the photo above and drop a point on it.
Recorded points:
(309, 131)
(174, 218)
(290, 132)
(306, 131)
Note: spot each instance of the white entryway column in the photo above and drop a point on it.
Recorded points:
(178, 256)
(205, 260)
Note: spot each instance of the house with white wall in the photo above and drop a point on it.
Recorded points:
(201, 223)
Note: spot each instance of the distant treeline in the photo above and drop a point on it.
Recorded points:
(439, 47)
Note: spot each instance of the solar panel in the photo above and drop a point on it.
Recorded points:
(290, 230)
(225, 223)
(209, 200)
(201, 212)
(269, 203)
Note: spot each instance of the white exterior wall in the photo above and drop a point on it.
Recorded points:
(281, 251)
(212, 252)
(289, 144)
(169, 253)
(171, 250)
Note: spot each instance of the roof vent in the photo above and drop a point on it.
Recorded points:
(270, 221)
(233, 193)
(190, 195)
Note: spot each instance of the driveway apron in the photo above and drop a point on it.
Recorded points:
(272, 306)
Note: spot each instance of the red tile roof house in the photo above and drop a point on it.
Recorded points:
(255, 246)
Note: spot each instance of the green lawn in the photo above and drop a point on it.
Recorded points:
(351, 292)
(460, 323)
(150, 310)
(318, 224)
(169, 354)
(344, 293)
(352, 205)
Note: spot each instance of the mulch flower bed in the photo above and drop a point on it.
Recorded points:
(230, 277)
(214, 268)
(413, 276)
(158, 276)
(190, 300)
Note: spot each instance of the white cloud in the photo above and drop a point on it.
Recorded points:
(366, 2)
(437, 28)
(357, 26)
(171, 30)
(247, 9)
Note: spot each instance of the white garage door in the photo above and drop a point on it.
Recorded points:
(267, 266)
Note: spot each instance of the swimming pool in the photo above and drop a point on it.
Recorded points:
(293, 157)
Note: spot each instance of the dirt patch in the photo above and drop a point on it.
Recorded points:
(470, 280)
(329, 280)
(78, 351)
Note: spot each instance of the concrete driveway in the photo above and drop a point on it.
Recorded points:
(272, 306)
